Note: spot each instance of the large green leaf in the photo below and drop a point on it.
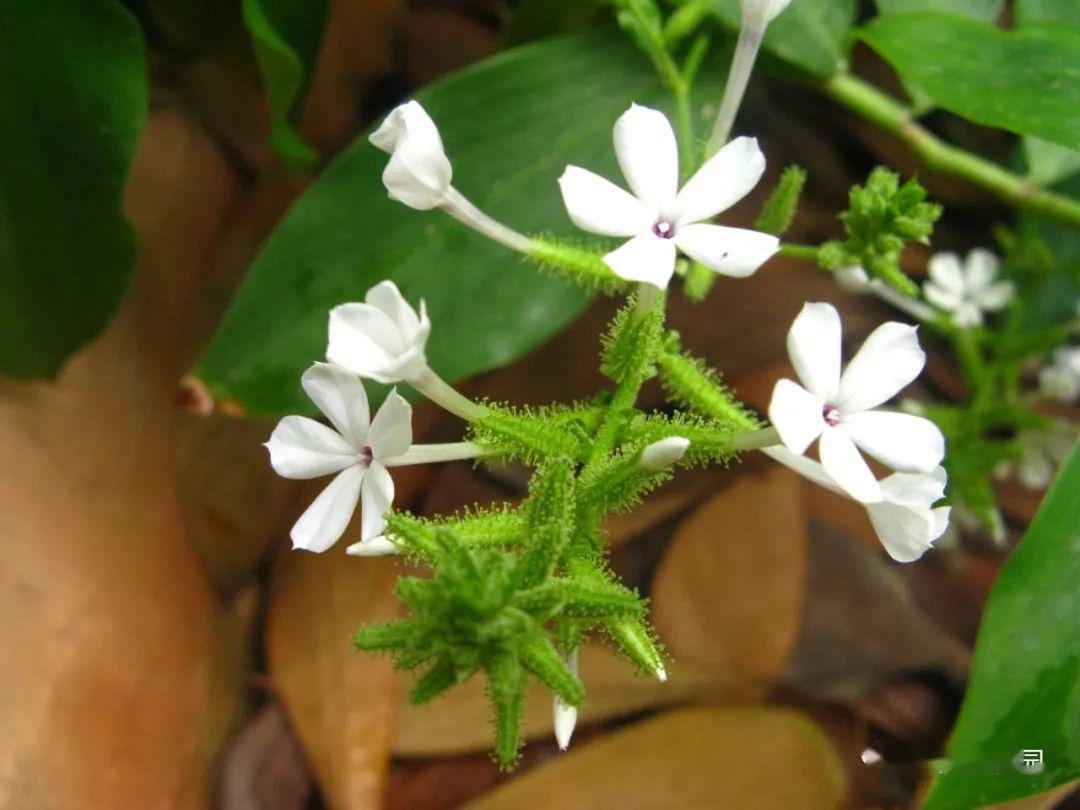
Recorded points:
(976, 9)
(809, 34)
(1036, 11)
(510, 125)
(1024, 81)
(72, 106)
(286, 35)
(1024, 691)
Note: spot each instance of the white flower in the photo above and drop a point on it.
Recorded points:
(382, 339)
(839, 409)
(1041, 453)
(658, 216)
(662, 454)
(763, 11)
(1061, 378)
(357, 451)
(565, 715)
(419, 172)
(967, 291)
(853, 279)
(905, 519)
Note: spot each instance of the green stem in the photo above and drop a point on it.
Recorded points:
(878, 108)
(805, 252)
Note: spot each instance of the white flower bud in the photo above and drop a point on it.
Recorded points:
(662, 454)
(419, 172)
(565, 716)
(382, 339)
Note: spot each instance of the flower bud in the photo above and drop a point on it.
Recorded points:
(382, 339)
(662, 454)
(419, 172)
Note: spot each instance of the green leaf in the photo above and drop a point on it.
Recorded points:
(809, 34)
(510, 124)
(72, 107)
(988, 10)
(1037, 11)
(1048, 163)
(986, 75)
(286, 35)
(1024, 691)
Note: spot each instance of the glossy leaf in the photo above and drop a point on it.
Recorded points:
(986, 75)
(1038, 11)
(510, 124)
(286, 35)
(976, 9)
(1024, 691)
(72, 106)
(809, 34)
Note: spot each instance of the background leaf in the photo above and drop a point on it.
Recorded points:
(976, 9)
(1049, 163)
(809, 34)
(510, 124)
(286, 35)
(72, 106)
(1024, 690)
(1035, 11)
(986, 75)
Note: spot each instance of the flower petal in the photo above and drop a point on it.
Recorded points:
(408, 119)
(381, 546)
(377, 494)
(995, 296)
(947, 272)
(900, 440)
(813, 344)
(340, 395)
(796, 414)
(889, 359)
(981, 269)
(302, 448)
(906, 532)
(386, 296)
(329, 514)
(364, 340)
(946, 298)
(418, 173)
(646, 257)
(725, 179)
(599, 206)
(915, 489)
(842, 460)
(730, 251)
(648, 156)
(391, 429)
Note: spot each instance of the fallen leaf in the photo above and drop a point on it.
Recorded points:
(729, 592)
(749, 758)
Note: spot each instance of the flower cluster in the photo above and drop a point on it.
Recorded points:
(516, 590)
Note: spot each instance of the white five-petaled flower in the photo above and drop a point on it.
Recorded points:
(762, 10)
(1060, 378)
(357, 450)
(967, 290)
(419, 172)
(905, 520)
(839, 409)
(660, 218)
(382, 339)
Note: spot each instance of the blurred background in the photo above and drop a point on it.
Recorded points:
(163, 647)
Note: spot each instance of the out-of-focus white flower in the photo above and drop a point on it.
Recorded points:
(853, 279)
(357, 450)
(764, 10)
(839, 410)
(565, 715)
(382, 339)
(661, 219)
(1060, 379)
(905, 519)
(1041, 453)
(662, 454)
(419, 172)
(967, 290)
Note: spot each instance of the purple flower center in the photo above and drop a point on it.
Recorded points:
(831, 415)
(665, 230)
(366, 457)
